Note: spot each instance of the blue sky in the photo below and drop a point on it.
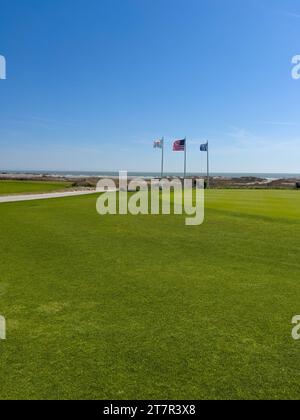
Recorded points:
(90, 84)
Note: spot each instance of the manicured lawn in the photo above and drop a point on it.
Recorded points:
(31, 187)
(136, 307)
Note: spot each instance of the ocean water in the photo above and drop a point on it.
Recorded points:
(87, 174)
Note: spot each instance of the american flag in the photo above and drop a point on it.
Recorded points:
(179, 146)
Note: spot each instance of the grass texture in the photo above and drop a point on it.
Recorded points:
(142, 307)
(31, 187)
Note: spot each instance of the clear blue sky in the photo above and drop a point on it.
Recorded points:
(90, 84)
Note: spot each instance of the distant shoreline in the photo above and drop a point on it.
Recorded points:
(89, 180)
(8, 174)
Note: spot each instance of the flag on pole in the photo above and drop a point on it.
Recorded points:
(158, 144)
(179, 145)
(204, 147)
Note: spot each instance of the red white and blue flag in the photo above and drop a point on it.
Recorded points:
(179, 145)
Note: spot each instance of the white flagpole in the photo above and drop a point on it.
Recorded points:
(162, 157)
(185, 145)
(207, 165)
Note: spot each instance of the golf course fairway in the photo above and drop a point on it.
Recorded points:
(144, 307)
(8, 187)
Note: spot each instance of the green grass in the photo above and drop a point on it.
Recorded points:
(145, 307)
(31, 187)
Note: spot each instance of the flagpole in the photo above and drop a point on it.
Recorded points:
(162, 157)
(207, 165)
(185, 145)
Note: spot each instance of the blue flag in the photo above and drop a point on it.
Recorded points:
(204, 147)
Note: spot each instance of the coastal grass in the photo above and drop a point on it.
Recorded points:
(9, 187)
(142, 307)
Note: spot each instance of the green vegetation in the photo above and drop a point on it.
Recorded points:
(145, 307)
(31, 187)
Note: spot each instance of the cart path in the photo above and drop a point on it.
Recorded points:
(30, 197)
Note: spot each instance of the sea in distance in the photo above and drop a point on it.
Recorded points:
(87, 174)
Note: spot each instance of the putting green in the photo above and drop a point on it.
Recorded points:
(31, 187)
(138, 307)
